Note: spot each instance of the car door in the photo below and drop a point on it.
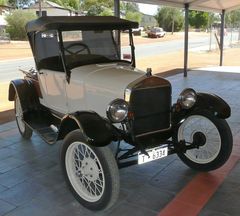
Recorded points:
(55, 95)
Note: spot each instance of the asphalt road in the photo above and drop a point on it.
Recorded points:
(10, 69)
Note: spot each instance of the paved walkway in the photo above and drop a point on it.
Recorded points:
(31, 182)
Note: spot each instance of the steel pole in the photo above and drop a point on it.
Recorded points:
(222, 36)
(186, 39)
(40, 8)
(117, 14)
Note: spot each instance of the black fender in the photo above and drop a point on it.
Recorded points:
(210, 102)
(214, 104)
(26, 93)
(96, 130)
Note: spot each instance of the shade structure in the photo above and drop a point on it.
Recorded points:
(202, 5)
(216, 6)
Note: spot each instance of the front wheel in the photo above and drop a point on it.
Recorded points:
(90, 172)
(212, 136)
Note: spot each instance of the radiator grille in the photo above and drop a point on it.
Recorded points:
(151, 109)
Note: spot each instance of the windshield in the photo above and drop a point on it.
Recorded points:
(89, 47)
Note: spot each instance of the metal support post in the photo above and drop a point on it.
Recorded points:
(222, 36)
(186, 39)
(40, 7)
(117, 14)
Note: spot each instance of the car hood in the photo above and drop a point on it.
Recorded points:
(113, 78)
(102, 83)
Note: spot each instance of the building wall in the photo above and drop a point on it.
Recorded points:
(52, 11)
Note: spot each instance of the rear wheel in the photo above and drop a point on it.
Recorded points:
(24, 130)
(91, 172)
(213, 137)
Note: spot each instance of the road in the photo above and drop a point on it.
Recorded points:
(9, 69)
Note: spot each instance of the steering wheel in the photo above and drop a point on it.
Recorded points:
(84, 47)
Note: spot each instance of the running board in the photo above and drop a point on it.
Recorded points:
(42, 122)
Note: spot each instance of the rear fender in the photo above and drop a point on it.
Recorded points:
(96, 130)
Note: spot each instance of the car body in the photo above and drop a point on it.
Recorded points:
(156, 32)
(85, 94)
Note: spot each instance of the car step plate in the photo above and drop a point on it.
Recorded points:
(154, 154)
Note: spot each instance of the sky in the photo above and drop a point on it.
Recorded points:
(148, 9)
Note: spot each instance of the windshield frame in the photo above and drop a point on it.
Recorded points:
(68, 69)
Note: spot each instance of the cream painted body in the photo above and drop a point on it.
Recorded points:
(91, 87)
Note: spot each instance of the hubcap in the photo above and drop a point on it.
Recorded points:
(199, 139)
(202, 132)
(85, 171)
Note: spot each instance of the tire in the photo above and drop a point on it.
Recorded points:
(24, 130)
(214, 150)
(97, 190)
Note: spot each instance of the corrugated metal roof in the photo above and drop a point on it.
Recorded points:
(202, 5)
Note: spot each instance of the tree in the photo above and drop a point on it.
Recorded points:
(70, 4)
(96, 7)
(106, 12)
(198, 19)
(17, 22)
(233, 18)
(20, 3)
(129, 6)
(170, 19)
(3, 2)
(133, 16)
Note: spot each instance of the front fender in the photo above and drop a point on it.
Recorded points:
(26, 92)
(210, 102)
(214, 104)
(96, 130)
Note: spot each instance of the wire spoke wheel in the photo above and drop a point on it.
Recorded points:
(91, 173)
(212, 137)
(19, 115)
(85, 171)
(24, 130)
(210, 150)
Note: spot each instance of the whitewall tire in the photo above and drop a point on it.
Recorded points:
(216, 141)
(90, 172)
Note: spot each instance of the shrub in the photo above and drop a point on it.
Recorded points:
(16, 24)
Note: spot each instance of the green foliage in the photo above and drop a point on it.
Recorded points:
(198, 19)
(3, 2)
(16, 24)
(170, 19)
(233, 18)
(97, 7)
(134, 16)
(106, 12)
(213, 18)
(129, 6)
(19, 3)
(70, 4)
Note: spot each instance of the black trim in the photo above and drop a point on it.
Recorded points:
(214, 104)
(79, 22)
(96, 130)
(26, 92)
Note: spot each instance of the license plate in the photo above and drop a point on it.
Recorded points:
(154, 154)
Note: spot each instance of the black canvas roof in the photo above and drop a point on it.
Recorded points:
(79, 22)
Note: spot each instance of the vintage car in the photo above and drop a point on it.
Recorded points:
(87, 92)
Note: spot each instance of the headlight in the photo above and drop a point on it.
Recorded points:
(117, 110)
(187, 98)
